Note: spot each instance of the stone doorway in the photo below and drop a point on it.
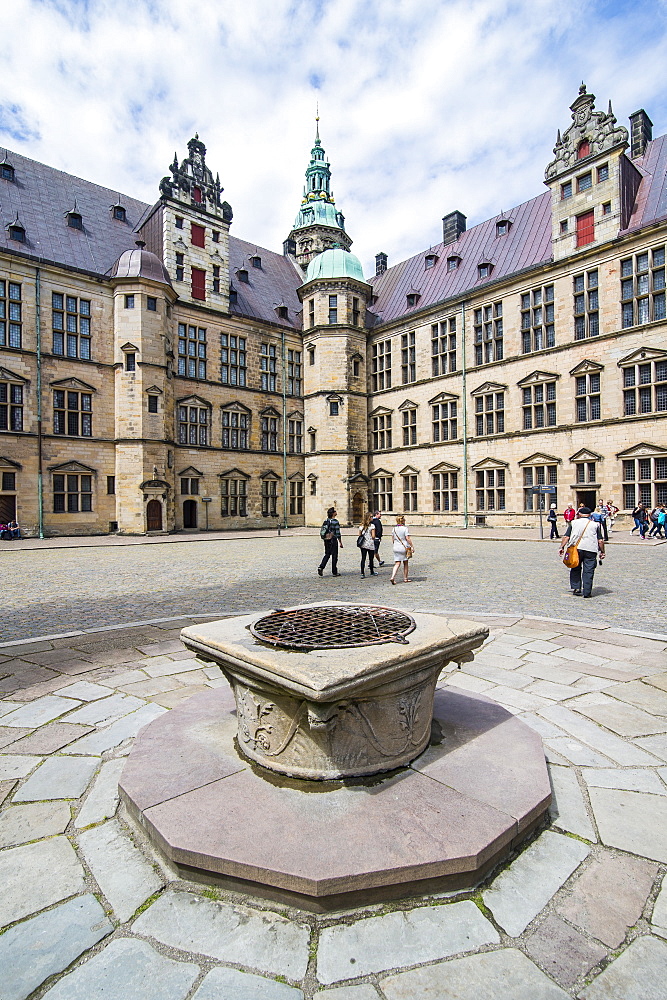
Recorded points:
(189, 513)
(357, 508)
(153, 515)
(7, 508)
(588, 498)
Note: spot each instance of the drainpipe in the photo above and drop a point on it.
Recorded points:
(38, 330)
(284, 429)
(465, 414)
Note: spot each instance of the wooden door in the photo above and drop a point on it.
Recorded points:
(154, 515)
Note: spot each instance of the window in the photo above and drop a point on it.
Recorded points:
(383, 498)
(409, 493)
(408, 358)
(267, 364)
(381, 365)
(587, 397)
(129, 301)
(606, 208)
(192, 351)
(444, 421)
(356, 313)
(296, 496)
(256, 261)
(645, 481)
(198, 283)
(430, 260)
(75, 220)
(585, 228)
(243, 276)
(189, 486)
(11, 407)
(584, 472)
(443, 347)
(490, 413)
(130, 362)
(70, 319)
(490, 489)
(151, 303)
(216, 278)
(313, 487)
(566, 190)
(484, 270)
(8, 482)
(445, 491)
(235, 428)
(215, 236)
(564, 226)
(197, 194)
(356, 367)
(311, 312)
(502, 227)
(382, 431)
(294, 373)
(16, 231)
(488, 333)
(197, 235)
(269, 497)
(333, 308)
(409, 427)
(119, 213)
(538, 475)
(584, 149)
(412, 298)
(72, 413)
(10, 314)
(603, 172)
(643, 287)
(645, 388)
(586, 305)
(453, 263)
(232, 359)
(7, 172)
(537, 319)
(311, 355)
(72, 493)
(539, 405)
(111, 485)
(193, 424)
(179, 267)
(585, 182)
(233, 497)
(152, 404)
(333, 407)
(179, 222)
(269, 428)
(295, 437)
(312, 438)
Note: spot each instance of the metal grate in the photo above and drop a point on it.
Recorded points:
(333, 627)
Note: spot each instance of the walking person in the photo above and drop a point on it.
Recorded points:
(377, 524)
(569, 514)
(613, 514)
(330, 535)
(640, 518)
(586, 534)
(662, 522)
(403, 548)
(552, 518)
(366, 542)
(600, 517)
(653, 517)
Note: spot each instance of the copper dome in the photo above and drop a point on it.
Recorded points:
(140, 263)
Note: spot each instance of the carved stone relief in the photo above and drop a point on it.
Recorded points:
(598, 128)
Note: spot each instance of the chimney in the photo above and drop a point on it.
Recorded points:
(380, 263)
(452, 226)
(641, 133)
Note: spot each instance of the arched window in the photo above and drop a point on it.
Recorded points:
(584, 149)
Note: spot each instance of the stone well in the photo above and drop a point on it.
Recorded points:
(420, 788)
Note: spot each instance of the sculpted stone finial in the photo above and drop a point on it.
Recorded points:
(600, 130)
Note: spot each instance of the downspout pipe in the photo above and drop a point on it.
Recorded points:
(284, 380)
(464, 393)
(38, 331)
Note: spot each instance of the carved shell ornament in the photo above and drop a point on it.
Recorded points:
(600, 129)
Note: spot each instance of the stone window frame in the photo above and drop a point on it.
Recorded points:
(644, 377)
(408, 358)
(269, 493)
(644, 478)
(383, 490)
(539, 470)
(12, 401)
(381, 429)
(489, 409)
(410, 489)
(443, 347)
(72, 408)
(643, 287)
(235, 422)
(296, 494)
(538, 328)
(444, 417)
(488, 333)
(234, 493)
(190, 424)
(408, 411)
(73, 488)
(71, 325)
(233, 359)
(586, 298)
(269, 428)
(445, 488)
(11, 314)
(538, 402)
(294, 372)
(295, 433)
(587, 391)
(381, 365)
(192, 351)
(491, 482)
(268, 353)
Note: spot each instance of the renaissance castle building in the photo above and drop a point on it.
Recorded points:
(157, 373)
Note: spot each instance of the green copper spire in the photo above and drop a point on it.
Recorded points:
(317, 205)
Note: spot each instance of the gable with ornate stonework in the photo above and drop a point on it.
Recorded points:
(408, 405)
(382, 472)
(586, 455)
(643, 354)
(585, 367)
(642, 450)
(380, 411)
(191, 173)
(601, 130)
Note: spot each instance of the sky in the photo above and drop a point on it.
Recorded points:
(426, 106)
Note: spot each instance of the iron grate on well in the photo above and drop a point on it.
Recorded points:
(333, 627)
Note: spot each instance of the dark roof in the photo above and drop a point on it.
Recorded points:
(651, 200)
(272, 285)
(140, 263)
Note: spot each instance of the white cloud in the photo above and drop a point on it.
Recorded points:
(426, 106)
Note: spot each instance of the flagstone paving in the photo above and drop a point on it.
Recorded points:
(88, 909)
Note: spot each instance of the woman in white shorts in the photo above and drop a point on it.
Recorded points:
(402, 542)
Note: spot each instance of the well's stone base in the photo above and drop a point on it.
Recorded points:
(440, 824)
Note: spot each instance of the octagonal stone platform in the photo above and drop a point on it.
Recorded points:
(442, 823)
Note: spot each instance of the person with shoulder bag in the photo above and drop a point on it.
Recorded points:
(403, 548)
(366, 543)
(584, 546)
(330, 535)
(552, 518)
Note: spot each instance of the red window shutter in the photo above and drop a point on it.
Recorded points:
(585, 229)
(584, 149)
(196, 194)
(197, 235)
(198, 283)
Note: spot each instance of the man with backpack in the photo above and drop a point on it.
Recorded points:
(330, 535)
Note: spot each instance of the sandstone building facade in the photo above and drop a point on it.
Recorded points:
(158, 373)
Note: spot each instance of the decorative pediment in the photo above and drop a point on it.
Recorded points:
(295, 415)
(539, 458)
(643, 354)
(488, 387)
(296, 476)
(491, 463)
(312, 430)
(73, 383)
(270, 474)
(236, 407)
(356, 477)
(73, 467)
(312, 476)
(8, 463)
(585, 367)
(642, 450)
(269, 411)
(585, 455)
(129, 347)
(154, 486)
(381, 472)
(9, 376)
(190, 473)
(333, 397)
(356, 356)
(444, 397)
(445, 467)
(599, 130)
(193, 401)
(380, 411)
(536, 377)
(408, 405)
(409, 470)
(153, 390)
(233, 474)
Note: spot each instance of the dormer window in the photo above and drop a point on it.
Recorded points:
(430, 260)
(282, 312)
(197, 194)
(453, 262)
(503, 227)
(484, 270)
(584, 149)
(255, 260)
(243, 275)
(6, 171)
(118, 212)
(74, 218)
(412, 299)
(233, 296)
(16, 230)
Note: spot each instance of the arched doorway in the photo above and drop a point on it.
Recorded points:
(357, 508)
(189, 513)
(153, 515)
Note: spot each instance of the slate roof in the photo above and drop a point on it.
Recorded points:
(651, 200)
(271, 285)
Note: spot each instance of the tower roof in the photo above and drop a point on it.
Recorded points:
(336, 263)
(317, 205)
(140, 263)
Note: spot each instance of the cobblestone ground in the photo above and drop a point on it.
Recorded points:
(55, 590)
(88, 910)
